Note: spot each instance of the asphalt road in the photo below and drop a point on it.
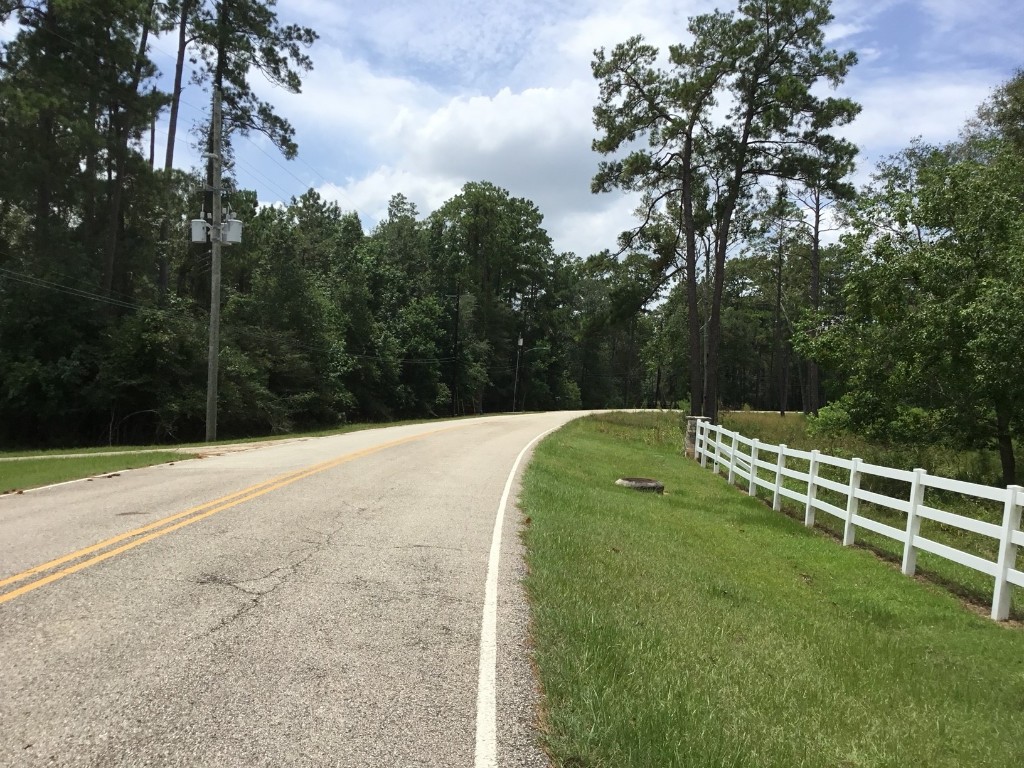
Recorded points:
(319, 602)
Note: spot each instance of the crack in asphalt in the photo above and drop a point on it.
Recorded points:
(283, 574)
(280, 576)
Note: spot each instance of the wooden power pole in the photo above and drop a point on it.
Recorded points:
(216, 231)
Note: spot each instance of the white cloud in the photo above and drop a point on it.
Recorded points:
(327, 18)
(421, 97)
(535, 143)
(980, 27)
(661, 23)
(342, 94)
(536, 126)
(369, 194)
(8, 29)
(597, 229)
(898, 109)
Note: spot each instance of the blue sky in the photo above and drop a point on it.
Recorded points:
(420, 96)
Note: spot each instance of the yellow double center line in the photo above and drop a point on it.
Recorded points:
(88, 556)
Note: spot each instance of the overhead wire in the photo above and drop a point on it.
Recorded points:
(65, 289)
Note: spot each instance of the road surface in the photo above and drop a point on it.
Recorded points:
(319, 602)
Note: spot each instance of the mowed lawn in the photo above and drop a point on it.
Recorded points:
(34, 472)
(56, 465)
(701, 628)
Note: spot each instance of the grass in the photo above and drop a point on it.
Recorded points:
(700, 628)
(973, 466)
(53, 466)
(32, 473)
(971, 585)
(338, 430)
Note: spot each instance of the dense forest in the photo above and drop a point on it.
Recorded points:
(756, 275)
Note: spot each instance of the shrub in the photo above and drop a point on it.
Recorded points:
(833, 420)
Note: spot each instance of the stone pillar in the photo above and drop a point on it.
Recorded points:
(690, 444)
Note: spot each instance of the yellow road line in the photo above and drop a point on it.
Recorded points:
(35, 570)
(211, 508)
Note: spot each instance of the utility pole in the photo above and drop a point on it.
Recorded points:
(216, 230)
(515, 386)
(455, 349)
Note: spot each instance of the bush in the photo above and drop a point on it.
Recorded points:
(833, 420)
(916, 426)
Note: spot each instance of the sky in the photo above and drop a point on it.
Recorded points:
(420, 96)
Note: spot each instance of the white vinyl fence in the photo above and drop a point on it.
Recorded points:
(741, 457)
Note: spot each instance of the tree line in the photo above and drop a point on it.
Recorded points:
(104, 301)
(756, 274)
(899, 305)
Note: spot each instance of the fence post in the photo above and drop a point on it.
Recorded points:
(812, 476)
(732, 457)
(718, 447)
(913, 523)
(780, 465)
(752, 486)
(852, 503)
(1007, 552)
(703, 430)
(692, 440)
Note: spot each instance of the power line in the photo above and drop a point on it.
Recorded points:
(267, 180)
(65, 289)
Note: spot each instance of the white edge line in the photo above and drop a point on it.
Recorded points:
(486, 697)
(102, 475)
(187, 454)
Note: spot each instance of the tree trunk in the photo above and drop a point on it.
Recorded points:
(629, 364)
(455, 349)
(727, 207)
(786, 377)
(179, 70)
(813, 384)
(813, 387)
(44, 191)
(118, 120)
(693, 308)
(714, 338)
(696, 351)
(163, 264)
(1005, 442)
(779, 361)
(804, 397)
(715, 321)
(115, 174)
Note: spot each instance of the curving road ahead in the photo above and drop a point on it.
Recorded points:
(330, 601)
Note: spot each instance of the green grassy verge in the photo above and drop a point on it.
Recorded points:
(339, 430)
(971, 585)
(32, 473)
(36, 468)
(702, 629)
(969, 465)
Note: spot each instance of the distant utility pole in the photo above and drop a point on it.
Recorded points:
(216, 230)
(515, 386)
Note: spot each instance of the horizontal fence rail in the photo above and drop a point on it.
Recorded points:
(764, 466)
